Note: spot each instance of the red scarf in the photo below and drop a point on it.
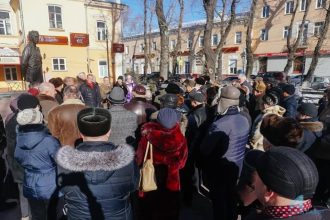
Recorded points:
(91, 85)
(288, 211)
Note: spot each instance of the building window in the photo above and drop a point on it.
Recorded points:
(264, 34)
(103, 68)
(189, 44)
(59, 64)
(101, 29)
(238, 37)
(10, 73)
(286, 32)
(201, 41)
(5, 28)
(173, 44)
(265, 11)
(304, 34)
(318, 27)
(303, 5)
(289, 7)
(55, 16)
(186, 67)
(232, 66)
(154, 46)
(126, 50)
(215, 40)
(141, 48)
(320, 3)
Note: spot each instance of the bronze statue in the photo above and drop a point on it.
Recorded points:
(31, 60)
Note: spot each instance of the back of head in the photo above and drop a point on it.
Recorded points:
(168, 117)
(270, 99)
(229, 97)
(169, 101)
(57, 82)
(289, 89)
(94, 122)
(25, 101)
(200, 81)
(71, 92)
(47, 88)
(259, 86)
(117, 96)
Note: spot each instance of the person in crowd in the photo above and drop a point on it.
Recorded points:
(243, 82)
(97, 177)
(171, 88)
(69, 81)
(58, 84)
(124, 122)
(169, 156)
(120, 83)
(139, 105)
(81, 79)
(105, 88)
(130, 84)
(200, 83)
(47, 98)
(269, 106)
(23, 101)
(222, 151)
(61, 121)
(284, 181)
(35, 152)
(90, 92)
(289, 101)
(189, 85)
(255, 100)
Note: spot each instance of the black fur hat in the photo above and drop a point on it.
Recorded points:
(94, 122)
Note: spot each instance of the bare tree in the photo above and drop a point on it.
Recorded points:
(292, 46)
(249, 51)
(316, 53)
(177, 48)
(163, 31)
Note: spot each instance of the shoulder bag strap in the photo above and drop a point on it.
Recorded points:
(146, 153)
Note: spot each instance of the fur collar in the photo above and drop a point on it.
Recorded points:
(313, 126)
(43, 97)
(72, 159)
(73, 101)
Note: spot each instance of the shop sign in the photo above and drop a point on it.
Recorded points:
(79, 40)
(53, 40)
(118, 48)
(9, 60)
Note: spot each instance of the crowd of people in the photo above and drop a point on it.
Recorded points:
(73, 149)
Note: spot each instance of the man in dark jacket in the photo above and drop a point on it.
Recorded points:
(97, 177)
(284, 182)
(289, 101)
(223, 151)
(139, 104)
(90, 92)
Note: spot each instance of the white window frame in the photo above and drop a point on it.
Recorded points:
(58, 24)
(286, 32)
(58, 64)
(264, 37)
(301, 5)
(289, 10)
(173, 44)
(10, 68)
(231, 62)
(264, 12)
(240, 34)
(6, 23)
(322, 5)
(126, 50)
(101, 32)
(201, 41)
(102, 68)
(303, 38)
(318, 28)
(213, 43)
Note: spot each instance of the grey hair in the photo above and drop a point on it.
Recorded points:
(71, 92)
(45, 87)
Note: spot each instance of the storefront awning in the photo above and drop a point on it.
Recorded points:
(9, 56)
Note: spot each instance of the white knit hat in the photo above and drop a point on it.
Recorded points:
(29, 116)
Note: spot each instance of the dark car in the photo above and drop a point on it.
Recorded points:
(278, 75)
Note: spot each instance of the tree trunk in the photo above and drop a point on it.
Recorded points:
(210, 56)
(145, 68)
(293, 47)
(178, 45)
(316, 53)
(249, 51)
(133, 57)
(163, 30)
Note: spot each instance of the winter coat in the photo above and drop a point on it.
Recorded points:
(97, 179)
(290, 104)
(196, 118)
(169, 149)
(225, 141)
(123, 125)
(141, 108)
(35, 151)
(62, 121)
(47, 103)
(91, 96)
(130, 87)
(104, 90)
(312, 132)
(322, 151)
(256, 137)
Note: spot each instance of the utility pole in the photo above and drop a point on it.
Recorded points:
(107, 44)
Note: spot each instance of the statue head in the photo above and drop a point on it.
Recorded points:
(33, 36)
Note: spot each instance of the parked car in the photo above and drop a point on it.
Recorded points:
(317, 82)
(278, 75)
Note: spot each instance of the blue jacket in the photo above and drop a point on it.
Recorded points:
(35, 151)
(97, 179)
(226, 139)
(290, 103)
